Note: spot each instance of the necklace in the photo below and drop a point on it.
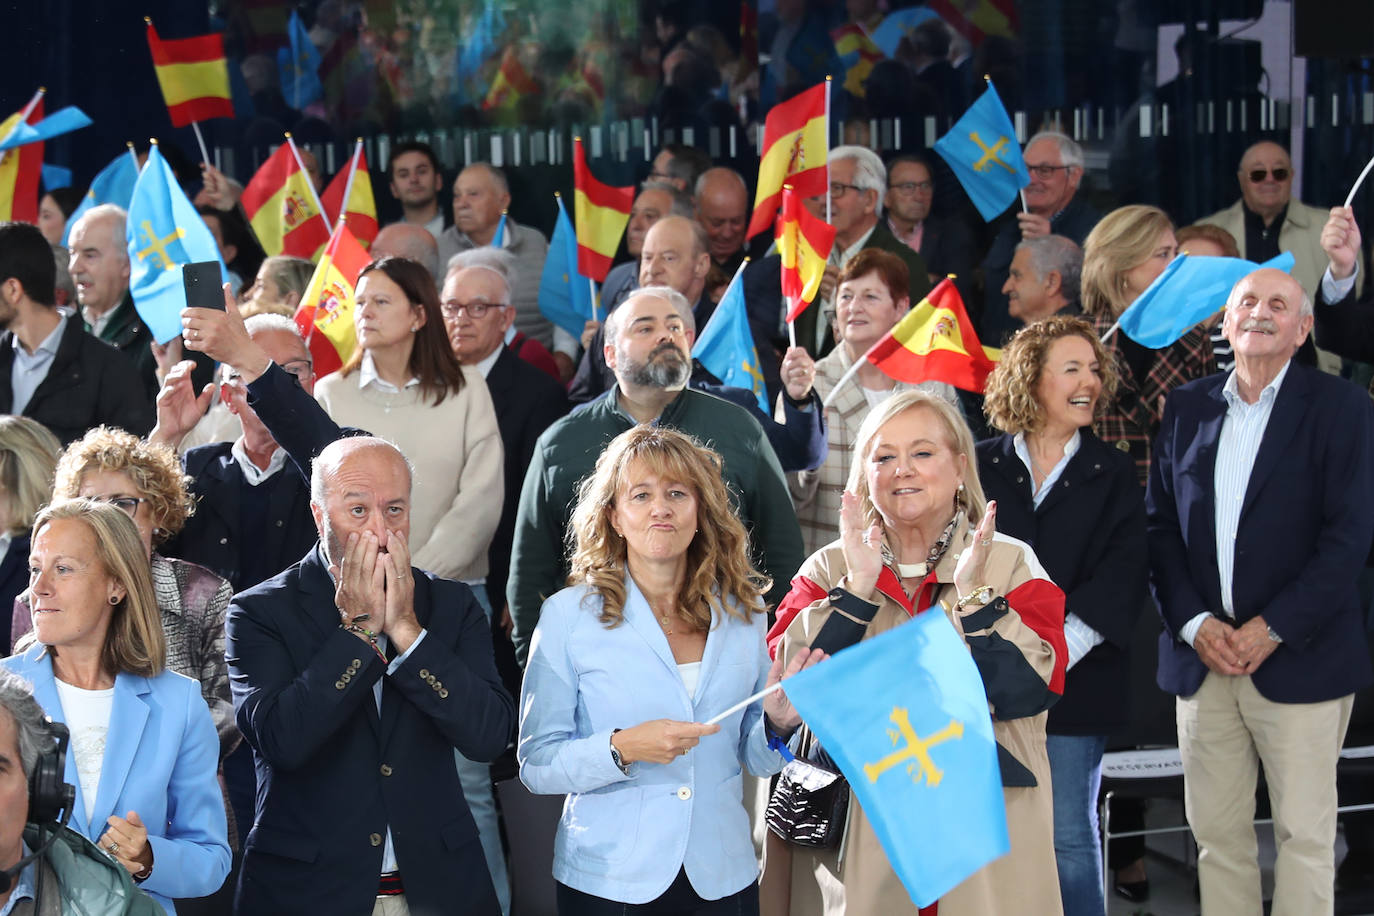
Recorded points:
(665, 620)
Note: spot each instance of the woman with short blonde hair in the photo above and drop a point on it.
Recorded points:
(28, 455)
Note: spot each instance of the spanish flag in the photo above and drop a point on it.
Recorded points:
(936, 342)
(193, 75)
(21, 167)
(804, 244)
(858, 53)
(978, 19)
(325, 315)
(600, 213)
(354, 184)
(282, 206)
(511, 83)
(795, 147)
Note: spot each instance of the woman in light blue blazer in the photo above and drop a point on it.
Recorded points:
(663, 630)
(143, 748)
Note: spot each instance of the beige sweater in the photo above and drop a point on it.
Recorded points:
(455, 446)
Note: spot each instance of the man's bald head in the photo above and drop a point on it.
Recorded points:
(342, 453)
(1266, 193)
(723, 211)
(407, 240)
(674, 254)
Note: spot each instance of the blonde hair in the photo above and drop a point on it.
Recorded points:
(134, 643)
(958, 437)
(153, 469)
(1011, 403)
(28, 458)
(718, 564)
(1122, 241)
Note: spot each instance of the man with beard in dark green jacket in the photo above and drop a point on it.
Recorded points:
(648, 345)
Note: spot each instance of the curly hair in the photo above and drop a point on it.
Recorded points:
(1010, 402)
(154, 470)
(959, 438)
(1119, 243)
(718, 563)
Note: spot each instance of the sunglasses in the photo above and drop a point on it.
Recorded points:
(1257, 175)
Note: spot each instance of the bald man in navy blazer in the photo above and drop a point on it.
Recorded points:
(355, 676)
(1261, 510)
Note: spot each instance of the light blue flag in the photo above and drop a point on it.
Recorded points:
(726, 348)
(905, 717)
(114, 185)
(164, 232)
(1190, 290)
(299, 66)
(56, 176)
(565, 298)
(481, 44)
(54, 125)
(897, 26)
(498, 238)
(982, 150)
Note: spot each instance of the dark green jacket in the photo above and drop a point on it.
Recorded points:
(567, 452)
(82, 879)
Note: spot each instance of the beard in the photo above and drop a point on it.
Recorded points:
(666, 367)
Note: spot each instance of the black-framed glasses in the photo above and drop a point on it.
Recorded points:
(452, 309)
(839, 189)
(1258, 175)
(911, 187)
(128, 504)
(1046, 171)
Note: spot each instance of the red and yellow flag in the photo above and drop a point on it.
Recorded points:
(978, 19)
(936, 342)
(511, 83)
(282, 207)
(361, 211)
(600, 213)
(858, 53)
(804, 244)
(795, 147)
(325, 315)
(21, 167)
(194, 76)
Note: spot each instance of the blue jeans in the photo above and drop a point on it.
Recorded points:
(1076, 771)
(476, 781)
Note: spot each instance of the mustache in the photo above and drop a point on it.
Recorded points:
(666, 347)
(1263, 325)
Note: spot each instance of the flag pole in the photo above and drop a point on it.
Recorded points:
(827, 147)
(352, 171)
(24, 115)
(204, 153)
(1358, 181)
(742, 704)
(1111, 330)
(310, 183)
(591, 285)
(132, 155)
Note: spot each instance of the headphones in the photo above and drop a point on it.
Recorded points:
(50, 796)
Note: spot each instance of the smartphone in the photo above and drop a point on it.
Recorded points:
(202, 283)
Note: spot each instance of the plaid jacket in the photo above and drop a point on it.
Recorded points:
(1132, 420)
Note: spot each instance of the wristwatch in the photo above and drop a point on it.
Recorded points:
(979, 596)
(615, 757)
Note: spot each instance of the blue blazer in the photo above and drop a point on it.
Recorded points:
(160, 760)
(334, 774)
(1305, 528)
(625, 838)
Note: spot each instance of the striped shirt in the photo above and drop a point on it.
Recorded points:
(1241, 433)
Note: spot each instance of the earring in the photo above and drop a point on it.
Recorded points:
(414, 328)
(114, 600)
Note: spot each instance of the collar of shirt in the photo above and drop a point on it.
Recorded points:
(23, 887)
(1023, 452)
(97, 324)
(485, 365)
(854, 249)
(1231, 390)
(367, 375)
(46, 349)
(435, 226)
(910, 239)
(251, 472)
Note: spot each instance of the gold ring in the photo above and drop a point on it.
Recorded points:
(113, 847)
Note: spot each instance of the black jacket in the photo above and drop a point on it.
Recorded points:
(1346, 328)
(88, 383)
(1089, 534)
(126, 331)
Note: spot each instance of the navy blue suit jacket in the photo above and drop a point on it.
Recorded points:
(1305, 527)
(333, 774)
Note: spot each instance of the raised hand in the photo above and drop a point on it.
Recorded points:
(1340, 240)
(221, 336)
(862, 546)
(1033, 225)
(778, 709)
(179, 408)
(971, 572)
(798, 373)
(400, 625)
(359, 578)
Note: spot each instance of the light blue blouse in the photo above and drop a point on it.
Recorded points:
(621, 837)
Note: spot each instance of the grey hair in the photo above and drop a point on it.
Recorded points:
(110, 212)
(1305, 309)
(497, 175)
(611, 329)
(869, 171)
(271, 321)
(30, 725)
(329, 458)
(497, 260)
(1057, 254)
(1070, 153)
(682, 201)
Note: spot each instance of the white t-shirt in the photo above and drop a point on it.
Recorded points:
(87, 714)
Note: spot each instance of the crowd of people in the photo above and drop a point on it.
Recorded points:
(286, 619)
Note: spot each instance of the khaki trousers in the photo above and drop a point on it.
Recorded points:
(391, 906)
(1225, 731)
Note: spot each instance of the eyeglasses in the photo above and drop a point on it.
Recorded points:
(453, 309)
(129, 504)
(911, 187)
(839, 189)
(1046, 171)
(1257, 175)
